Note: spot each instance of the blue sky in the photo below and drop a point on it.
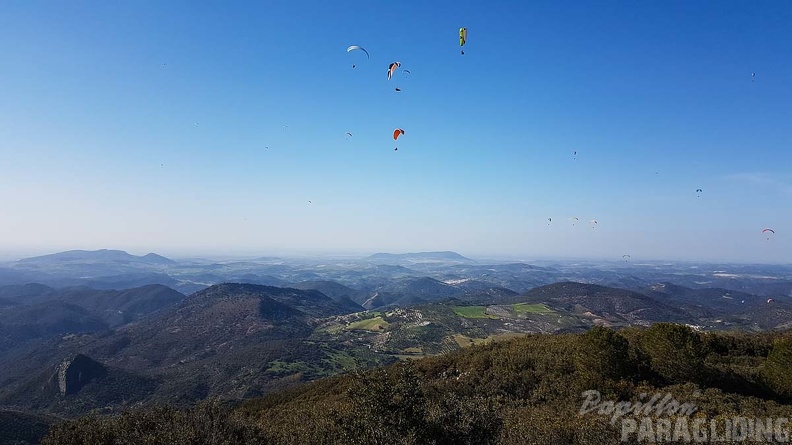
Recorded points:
(143, 125)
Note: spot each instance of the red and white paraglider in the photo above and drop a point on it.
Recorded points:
(396, 133)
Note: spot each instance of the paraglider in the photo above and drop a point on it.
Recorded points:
(573, 219)
(699, 191)
(348, 134)
(593, 223)
(574, 155)
(396, 133)
(392, 69)
(406, 71)
(549, 220)
(355, 47)
(753, 77)
(462, 38)
(398, 89)
(768, 231)
(626, 257)
(770, 300)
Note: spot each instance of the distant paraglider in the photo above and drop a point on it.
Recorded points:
(768, 231)
(392, 68)
(398, 90)
(396, 133)
(626, 257)
(356, 47)
(753, 77)
(462, 38)
(573, 219)
(549, 220)
(593, 223)
(699, 191)
(770, 300)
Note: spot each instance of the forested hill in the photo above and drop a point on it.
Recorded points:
(524, 391)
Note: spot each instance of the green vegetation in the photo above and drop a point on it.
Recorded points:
(23, 428)
(376, 324)
(472, 312)
(208, 423)
(527, 390)
(527, 308)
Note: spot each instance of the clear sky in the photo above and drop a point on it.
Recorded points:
(204, 126)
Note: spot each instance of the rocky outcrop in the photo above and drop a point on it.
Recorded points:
(74, 373)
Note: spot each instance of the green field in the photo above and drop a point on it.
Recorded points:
(376, 324)
(526, 308)
(472, 312)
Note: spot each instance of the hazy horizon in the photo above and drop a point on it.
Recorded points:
(355, 254)
(197, 128)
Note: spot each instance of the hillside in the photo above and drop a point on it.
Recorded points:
(20, 428)
(230, 340)
(523, 391)
(40, 320)
(607, 305)
(410, 291)
(736, 308)
(37, 312)
(346, 296)
(242, 340)
(22, 293)
(79, 384)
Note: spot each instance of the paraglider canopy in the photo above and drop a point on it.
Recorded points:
(392, 68)
(462, 38)
(397, 132)
(354, 47)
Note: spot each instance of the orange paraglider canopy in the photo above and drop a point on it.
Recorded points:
(397, 132)
(392, 68)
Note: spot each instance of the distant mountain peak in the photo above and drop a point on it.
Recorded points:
(154, 258)
(104, 255)
(439, 256)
